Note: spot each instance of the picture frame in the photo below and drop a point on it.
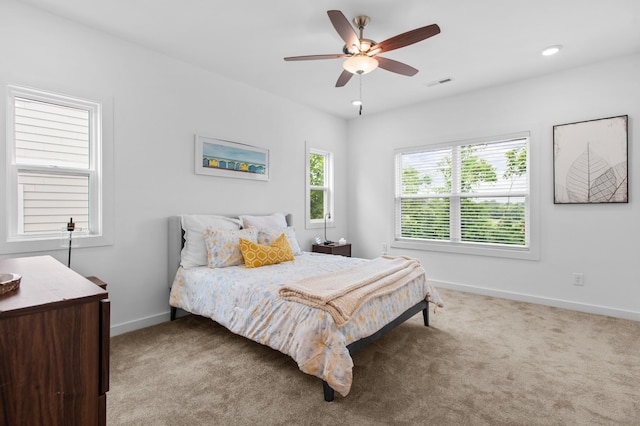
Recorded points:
(223, 158)
(590, 161)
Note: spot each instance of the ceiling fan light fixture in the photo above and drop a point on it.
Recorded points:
(360, 64)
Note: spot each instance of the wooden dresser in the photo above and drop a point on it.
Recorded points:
(54, 346)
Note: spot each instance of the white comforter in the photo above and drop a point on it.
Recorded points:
(246, 301)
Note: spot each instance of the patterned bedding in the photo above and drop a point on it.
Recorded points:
(246, 301)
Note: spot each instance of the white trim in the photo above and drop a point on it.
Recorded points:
(538, 300)
(140, 323)
(532, 252)
(468, 248)
(329, 200)
(103, 125)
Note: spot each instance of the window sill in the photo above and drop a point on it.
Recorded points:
(51, 244)
(476, 250)
(319, 225)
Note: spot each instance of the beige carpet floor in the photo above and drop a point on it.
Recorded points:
(483, 361)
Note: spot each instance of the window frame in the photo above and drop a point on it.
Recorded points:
(328, 189)
(530, 252)
(100, 194)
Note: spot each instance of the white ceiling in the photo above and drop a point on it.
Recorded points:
(482, 43)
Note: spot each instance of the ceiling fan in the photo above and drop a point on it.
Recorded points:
(362, 53)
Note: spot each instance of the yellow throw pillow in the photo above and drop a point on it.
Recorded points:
(256, 255)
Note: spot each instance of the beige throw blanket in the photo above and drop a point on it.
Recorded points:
(341, 293)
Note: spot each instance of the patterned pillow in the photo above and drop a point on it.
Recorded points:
(223, 246)
(267, 236)
(256, 255)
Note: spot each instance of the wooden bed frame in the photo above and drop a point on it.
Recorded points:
(176, 242)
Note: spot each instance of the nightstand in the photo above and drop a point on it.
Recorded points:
(334, 248)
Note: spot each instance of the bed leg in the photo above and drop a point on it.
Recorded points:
(174, 311)
(425, 315)
(328, 391)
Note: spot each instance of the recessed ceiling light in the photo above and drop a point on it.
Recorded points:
(551, 50)
(356, 102)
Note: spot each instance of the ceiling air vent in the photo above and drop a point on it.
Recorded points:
(437, 82)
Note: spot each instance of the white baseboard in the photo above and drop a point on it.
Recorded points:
(125, 327)
(556, 303)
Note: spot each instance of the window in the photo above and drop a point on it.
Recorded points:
(469, 197)
(319, 186)
(54, 158)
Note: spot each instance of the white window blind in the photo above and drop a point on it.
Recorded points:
(464, 194)
(54, 142)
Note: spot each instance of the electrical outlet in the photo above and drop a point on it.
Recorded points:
(578, 278)
(384, 248)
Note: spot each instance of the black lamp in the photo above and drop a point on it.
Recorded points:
(326, 216)
(71, 226)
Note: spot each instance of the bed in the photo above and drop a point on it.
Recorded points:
(268, 302)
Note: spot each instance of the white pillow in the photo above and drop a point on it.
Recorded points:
(194, 252)
(266, 237)
(272, 221)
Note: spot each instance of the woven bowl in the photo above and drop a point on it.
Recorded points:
(9, 282)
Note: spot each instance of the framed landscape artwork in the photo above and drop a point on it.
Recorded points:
(590, 161)
(218, 157)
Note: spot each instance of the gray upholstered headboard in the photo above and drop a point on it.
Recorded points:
(176, 242)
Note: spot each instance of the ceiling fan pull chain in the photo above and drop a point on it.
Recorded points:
(360, 111)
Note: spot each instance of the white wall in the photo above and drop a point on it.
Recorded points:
(597, 240)
(157, 105)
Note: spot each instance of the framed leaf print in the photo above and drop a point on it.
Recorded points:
(590, 161)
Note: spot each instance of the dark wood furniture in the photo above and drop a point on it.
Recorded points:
(333, 248)
(97, 281)
(54, 344)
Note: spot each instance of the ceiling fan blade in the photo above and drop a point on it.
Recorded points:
(405, 39)
(343, 27)
(314, 57)
(395, 66)
(344, 78)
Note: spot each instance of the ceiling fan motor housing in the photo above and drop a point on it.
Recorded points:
(366, 45)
